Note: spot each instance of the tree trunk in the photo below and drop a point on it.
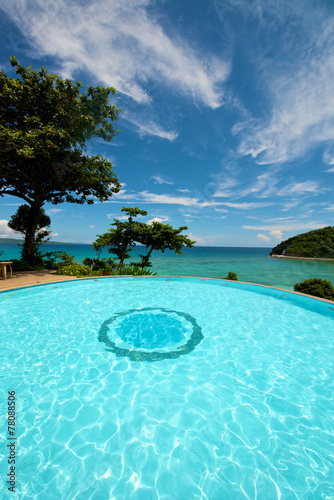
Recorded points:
(29, 245)
(146, 259)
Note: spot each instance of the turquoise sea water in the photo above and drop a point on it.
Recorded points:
(167, 389)
(253, 265)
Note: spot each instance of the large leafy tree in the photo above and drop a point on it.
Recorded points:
(123, 236)
(45, 123)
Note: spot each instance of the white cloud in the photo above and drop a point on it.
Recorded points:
(300, 188)
(196, 238)
(263, 237)
(122, 44)
(148, 197)
(158, 219)
(288, 227)
(263, 187)
(277, 234)
(330, 208)
(6, 232)
(92, 226)
(330, 170)
(121, 217)
(248, 206)
(160, 179)
(279, 219)
(297, 82)
(151, 128)
(184, 190)
(291, 204)
(53, 211)
(328, 157)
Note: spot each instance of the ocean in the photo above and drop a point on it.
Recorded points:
(253, 265)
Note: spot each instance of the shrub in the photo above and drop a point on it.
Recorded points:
(78, 270)
(22, 265)
(231, 276)
(316, 287)
(75, 270)
(106, 265)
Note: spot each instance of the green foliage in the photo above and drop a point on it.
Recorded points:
(50, 259)
(20, 222)
(79, 270)
(22, 265)
(316, 244)
(231, 276)
(75, 269)
(106, 265)
(65, 259)
(47, 260)
(158, 236)
(123, 236)
(316, 287)
(45, 122)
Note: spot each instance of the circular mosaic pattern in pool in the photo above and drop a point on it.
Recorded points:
(150, 334)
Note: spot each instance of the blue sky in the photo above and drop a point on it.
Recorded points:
(228, 110)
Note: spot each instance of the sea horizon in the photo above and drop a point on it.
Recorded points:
(252, 264)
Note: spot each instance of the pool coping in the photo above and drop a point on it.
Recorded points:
(46, 277)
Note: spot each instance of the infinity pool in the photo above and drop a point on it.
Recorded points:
(167, 389)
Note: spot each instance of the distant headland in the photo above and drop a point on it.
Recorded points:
(314, 245)
(19, 242)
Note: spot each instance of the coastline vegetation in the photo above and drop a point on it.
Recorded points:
(231, 276)
(120, 239)
(313, 244)
(45, 123)
(316, 287)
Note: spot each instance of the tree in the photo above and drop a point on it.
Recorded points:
(158, 236)
(316, 287)
(123, 236)
(45, 122)
(19, 222)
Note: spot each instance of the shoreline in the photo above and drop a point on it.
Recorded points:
(27, 279)
(301, 258)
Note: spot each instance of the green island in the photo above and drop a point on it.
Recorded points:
(317, 244)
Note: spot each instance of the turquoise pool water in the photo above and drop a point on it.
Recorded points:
(167, 388)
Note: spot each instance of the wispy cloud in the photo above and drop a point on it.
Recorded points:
(160, 179)
(300, 188)
(296, 79)
(263, 187)
(122, 44)
(149, 127)
(119, 217)
(328, 157)
(330, 208)
(54, 211)
(288, 227)
(248, 205)
(174, 200)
